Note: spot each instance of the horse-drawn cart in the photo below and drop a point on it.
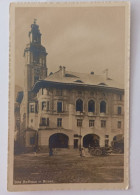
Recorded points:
(100, 151)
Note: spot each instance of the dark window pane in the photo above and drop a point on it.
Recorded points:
(103, 123)
(79, 122)
(59, 106)
(79, 105)
(103, 107)
(119, 110)
(43, 121)
(119, 124)
(91, 123)
(91, 106)
(59, 122)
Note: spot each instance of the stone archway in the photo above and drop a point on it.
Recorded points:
(118, 142)
(58, 140)
(92, 140)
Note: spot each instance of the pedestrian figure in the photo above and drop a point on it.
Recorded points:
(89, 147)
(35, 150)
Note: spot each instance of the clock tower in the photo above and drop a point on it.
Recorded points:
(35, 58)
(35, 68)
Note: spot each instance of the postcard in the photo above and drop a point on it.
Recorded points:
(69, 96)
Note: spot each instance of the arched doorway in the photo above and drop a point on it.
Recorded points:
(118, 143)
(92, 140)
(58, 140)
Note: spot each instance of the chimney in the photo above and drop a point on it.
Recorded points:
(63, 71)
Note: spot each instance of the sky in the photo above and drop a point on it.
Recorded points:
(82, 39)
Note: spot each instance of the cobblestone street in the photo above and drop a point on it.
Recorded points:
(66, 167)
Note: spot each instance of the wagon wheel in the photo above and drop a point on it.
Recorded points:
(97, 152)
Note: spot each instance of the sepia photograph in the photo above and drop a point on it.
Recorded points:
(69, 96)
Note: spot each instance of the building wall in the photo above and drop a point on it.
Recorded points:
(69, 115)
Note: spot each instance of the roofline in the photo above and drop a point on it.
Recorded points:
(42, 84)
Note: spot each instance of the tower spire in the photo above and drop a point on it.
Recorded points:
(35, 57)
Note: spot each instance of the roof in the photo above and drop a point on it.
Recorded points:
(80, 79)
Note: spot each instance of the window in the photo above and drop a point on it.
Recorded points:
(79, 105)
(31, 120)
(32, 140)
(79, 122)
(103, 107)
(103, 123)
(59, 122)
(32, 108)
(75, 143)
(119, 124)
(59, 107)
(48, 105)
(44, 122)
(119, 110)
(43, 105)
(91, 123)
(59, 92)
(106, 136)
(91, 106)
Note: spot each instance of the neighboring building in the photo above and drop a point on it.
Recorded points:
(67, 109)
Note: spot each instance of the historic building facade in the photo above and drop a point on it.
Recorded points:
(67, 109)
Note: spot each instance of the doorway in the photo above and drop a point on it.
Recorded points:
(75, 143)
